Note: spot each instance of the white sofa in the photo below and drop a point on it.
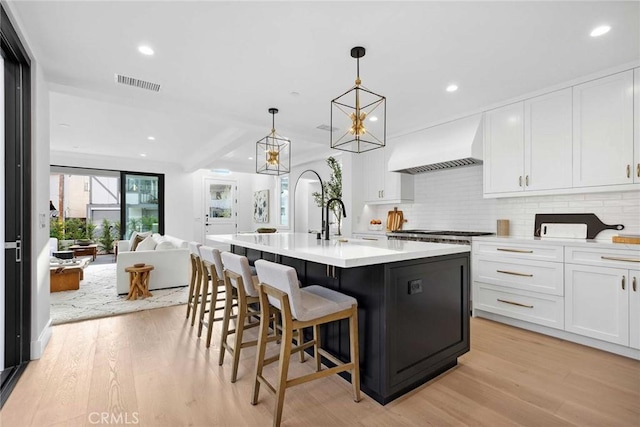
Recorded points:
(171, 266)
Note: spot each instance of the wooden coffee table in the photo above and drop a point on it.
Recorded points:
(67, 277)
(79, 250)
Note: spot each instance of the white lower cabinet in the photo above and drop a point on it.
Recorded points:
(519, 281)
(597, 302)
(634, 309)
(589, 291)
(531, 307)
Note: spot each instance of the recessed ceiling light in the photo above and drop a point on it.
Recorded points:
(294, 93)
(598, 31)
(64, 125)
(373, 119)
(250, 158)
(145, 50)
(151, 138)
(452, 88)
(143, 155)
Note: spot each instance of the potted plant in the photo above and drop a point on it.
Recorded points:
(106, 239)
(332, 190)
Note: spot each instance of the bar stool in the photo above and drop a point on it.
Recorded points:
(196, 280)
(240, 286)
(211, 267)
(308, 307)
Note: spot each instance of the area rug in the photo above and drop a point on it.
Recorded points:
(97, 297)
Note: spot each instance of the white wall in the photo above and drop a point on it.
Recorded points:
(452, 200)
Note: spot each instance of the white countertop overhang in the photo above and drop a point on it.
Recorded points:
(352, 253)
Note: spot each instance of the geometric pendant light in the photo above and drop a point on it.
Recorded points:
(359, 115)
(273, 152)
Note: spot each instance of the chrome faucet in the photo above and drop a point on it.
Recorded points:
(327, 206)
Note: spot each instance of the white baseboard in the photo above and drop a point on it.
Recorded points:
(37, 347)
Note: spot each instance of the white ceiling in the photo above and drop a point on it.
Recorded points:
(223, 64)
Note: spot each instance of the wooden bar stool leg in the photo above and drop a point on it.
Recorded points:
(299, 342)
(225, 324)
(191, 285)
(203, 303)
(355, 353)
(196, 293)
(316, 347)
(285, 355)
(242, 315)
(262, 349)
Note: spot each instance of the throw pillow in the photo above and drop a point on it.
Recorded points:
(137, 240)
(133, 238)
(146, 245)
(164, 245)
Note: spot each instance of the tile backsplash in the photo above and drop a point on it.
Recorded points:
(452, 200)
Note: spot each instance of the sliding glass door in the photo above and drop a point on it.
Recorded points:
(142, 206)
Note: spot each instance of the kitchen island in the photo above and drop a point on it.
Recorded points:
(413, 301)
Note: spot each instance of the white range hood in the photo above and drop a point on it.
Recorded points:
(453, 144)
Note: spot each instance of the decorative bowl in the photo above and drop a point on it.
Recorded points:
(266, 230)
(139, 265)
(84, 242)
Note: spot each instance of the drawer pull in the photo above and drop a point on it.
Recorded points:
(514, 303)
(520, 251)
(613, 258)
(369, 238)
(634, 284)
(514, 273)
(623, 282)
(628, 171)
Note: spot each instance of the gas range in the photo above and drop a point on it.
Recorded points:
(437, 236)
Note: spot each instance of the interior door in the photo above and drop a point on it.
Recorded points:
(220, 207)
(16, 288)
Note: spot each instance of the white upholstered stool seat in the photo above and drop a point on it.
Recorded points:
(300, 308)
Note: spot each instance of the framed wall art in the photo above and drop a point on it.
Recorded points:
(261, 206)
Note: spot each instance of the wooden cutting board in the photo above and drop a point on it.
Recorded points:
(395, 218)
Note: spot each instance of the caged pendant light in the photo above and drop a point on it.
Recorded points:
(361, 114)
(273, 152)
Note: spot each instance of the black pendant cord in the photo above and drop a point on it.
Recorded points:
(358, 68)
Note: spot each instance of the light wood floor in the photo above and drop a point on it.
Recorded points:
(149, 367)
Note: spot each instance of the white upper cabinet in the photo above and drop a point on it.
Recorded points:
(636, 119)
(504, 149)
(382, 186)
(603, 131)
(548, 141)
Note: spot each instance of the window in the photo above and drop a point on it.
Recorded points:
(284, 201)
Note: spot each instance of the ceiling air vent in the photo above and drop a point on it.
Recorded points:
(130, 81)
(327, 128)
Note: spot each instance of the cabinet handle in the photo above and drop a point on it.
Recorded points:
(520, 181)
(634, 284)
(382, 193)
(623, 282)
(520, 251)
(613, 258)
(638, 170)
(514, 273)
(526, 180)
(628, 171)
(514, 303)
(369, 238)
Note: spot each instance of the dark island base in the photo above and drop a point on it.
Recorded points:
(413, 317)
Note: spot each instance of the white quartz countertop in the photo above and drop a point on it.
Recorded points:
(589, 243)
(352, 253)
